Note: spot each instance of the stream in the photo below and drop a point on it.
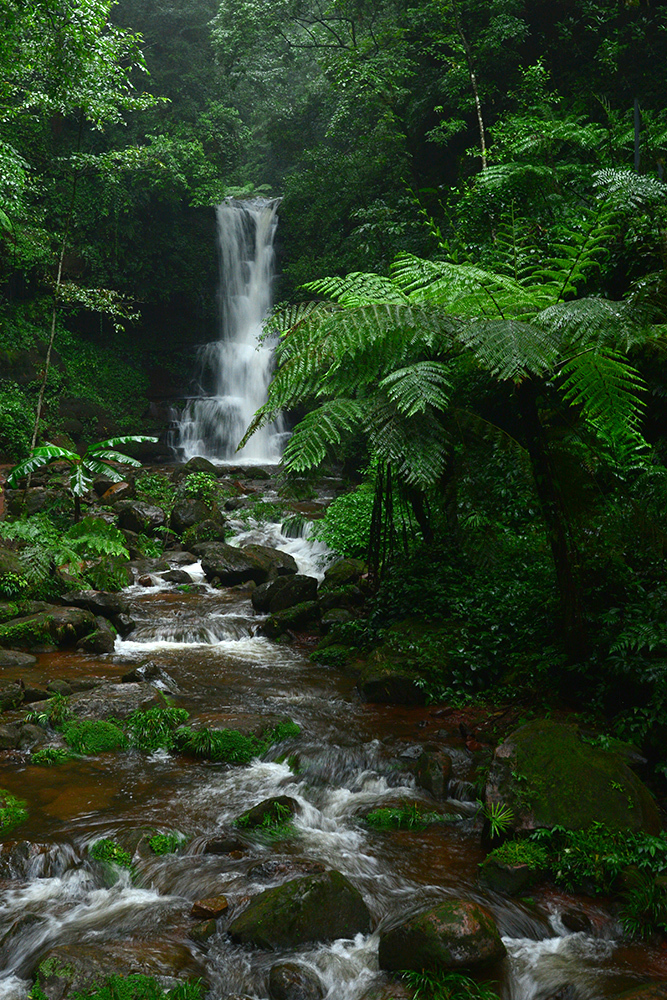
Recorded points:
(349, 758)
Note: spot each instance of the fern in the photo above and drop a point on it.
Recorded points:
(607, 389)
(318, 431)
(417, 387)
(510, 349)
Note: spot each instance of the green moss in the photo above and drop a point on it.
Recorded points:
(27, 632)
(49, 756)
(519, 852)
(408, 817)
(166, 843)
(111, 852)
(13, 811)
(91, 737)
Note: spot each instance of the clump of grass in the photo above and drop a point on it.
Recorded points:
(408, 817)
(133, 987)
(430, 985)
(155, 728)
(111, 852)
(230, 746)
(276, 823)
(94, 736)
(12, 811)
(166, 843)
(55, 712)
(50, 756)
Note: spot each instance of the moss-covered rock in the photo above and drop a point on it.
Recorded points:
(285, 592)
(342, 572)
(457, 934)
(293, 981)
(299, 618)
(549, 776)
(385, 679)
(319, 907)
(55, 626)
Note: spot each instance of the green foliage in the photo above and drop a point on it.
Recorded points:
(55, 712)
(154, 728)
(13, 811)
(12, 585)
(16, 420)
(286, 730)
(227, 746)
(157, 489)
(200, 486)
(51, 756)
(166, 843)
(346, 524)
(644, 909)
(408, 817)
(94, 736)
(135, 986)
(499, 816)
(278, 815)
(430, 985)
(520, 852)
(110, 852)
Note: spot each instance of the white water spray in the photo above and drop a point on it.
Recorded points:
(234, 371)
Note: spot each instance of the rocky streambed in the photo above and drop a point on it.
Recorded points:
(275, 881)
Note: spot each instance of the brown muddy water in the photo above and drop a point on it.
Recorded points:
(349, 758)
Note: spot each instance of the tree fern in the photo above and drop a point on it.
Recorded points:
(510, 349)
(607, 389)
(417, 387)
(319, 431)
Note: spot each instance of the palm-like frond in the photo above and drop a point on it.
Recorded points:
(608, 391)
(510, 349)
(40, 457)
(320, 430)
(417, 387)
(358, 288)
(594, 322)
(100, 454)
(629, 190)
(416, 447)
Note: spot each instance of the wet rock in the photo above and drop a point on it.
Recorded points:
(118, 492)
(336, 616)
(17, 856)
(57, 626)
(187, 513)
(202, 931)
(285, 592)
(9, 737)
(115, 700)
(499, 876)
(314, 908)
(576, 921)
(548, 776)
(348, 597)
(150, 671)
(342, 572)
(98, 602)
(232, 565)
(432, 772)
(209, 530)
(102, 640)
(385, 681)
(31, 736)
(210, 908)
(388, 991)
(124, 624)
(293, 981)
(31, 694)
(196, 464)
(134, 515)
(77, 968)
(145, 580)
(19, 930)
(59, 686)
(457, 934)
(177, 576)
(14, 658)
(280, 868)
(270, 812)
(223, 845)
(10, 564)
(11, 695)
(299, 618)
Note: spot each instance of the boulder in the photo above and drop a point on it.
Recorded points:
(177, 576)
(99, 602)
(457, 934)
(285, 592)
(56, 626)
(10, 564)
(10, 737)
(319, 907)
(549, 777)
(102, 640)
(201, 932)
(342, 572)
(187, 513)
(299, 618)
(118, 492)
(135, 515)
(11, 695)
(115, 701)
(232, 565)
(388, 991)
(432, 772)
(293, 981)
(14, 658)
(270, 812)
(209, 530)
(386, 680)
(210, 908)
(196, 464)
(511, 879)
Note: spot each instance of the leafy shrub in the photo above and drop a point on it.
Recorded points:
(154, 728)
(157, 489)
(49, 756)
(644, 909)
(16, 422)
(520, 852)
(346, 524)
(221, 745)
(166, 843)
(12, 811)
(94, 736)
(408, 817)
(13, 585)
(111, 852)
(200, 486)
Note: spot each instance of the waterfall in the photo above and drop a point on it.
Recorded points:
(234, 371)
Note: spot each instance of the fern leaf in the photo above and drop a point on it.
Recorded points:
(590, 321)
(418, 386)
(320, 430)
(607, 389)
(510, 349)
(358, 288)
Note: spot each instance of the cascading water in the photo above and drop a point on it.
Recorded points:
(234, 371)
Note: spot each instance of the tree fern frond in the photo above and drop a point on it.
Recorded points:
(417, 387)
(318, 431)
(286, 319)
(607, 389)
(358, 288)
(629, 190)
(591, 321)
(417, 447)
(473, 426)
(510, 349)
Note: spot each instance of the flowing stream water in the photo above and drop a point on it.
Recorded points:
(234, 371)
(349, 758)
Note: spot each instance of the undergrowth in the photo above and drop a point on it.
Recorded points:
(13, 811)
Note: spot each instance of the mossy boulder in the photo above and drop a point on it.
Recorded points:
(320, 907)
(285, 592)
(135, 515)
(549, 776)
(293, 981)
(208, 530)
(54, 626)
(188, 512)
(457, 934)
(232, 565)
(271, 812)
(341, 573)
(384, 678)
(10, 564)
(297, 619)
(432, 772)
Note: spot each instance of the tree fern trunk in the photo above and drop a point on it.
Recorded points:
(557, 522)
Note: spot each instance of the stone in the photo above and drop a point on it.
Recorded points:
(59, 686)
(321, 907)
(177, 576)
(115, 700)
(644, 991)
(232, 565)
(31, 735)
(202, 931)
(56, 626)
(342, 572)
(196, 464)
(14, 658)
(223, 845)
(335, 616)
(187, 513)
(576, 921)
(11, 695)
(270, 812)
(209, 530)
(432, 772)
(102, 640)
(298, 618)
(457, 934)
(31, 694)
(98, 602)
(134, 515)
(285, 592)
(210, 908)
(10, 564)
(9, 737)
(275, 562)
(118, 492)
(388, 991)
(549, 777)
(293, 981)
(511, 879)
(386, 681)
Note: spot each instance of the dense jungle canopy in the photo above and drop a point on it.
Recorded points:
(472, 284)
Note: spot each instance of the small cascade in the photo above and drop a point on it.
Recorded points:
(234, 371)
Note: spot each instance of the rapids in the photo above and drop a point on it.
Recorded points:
(349, 758)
